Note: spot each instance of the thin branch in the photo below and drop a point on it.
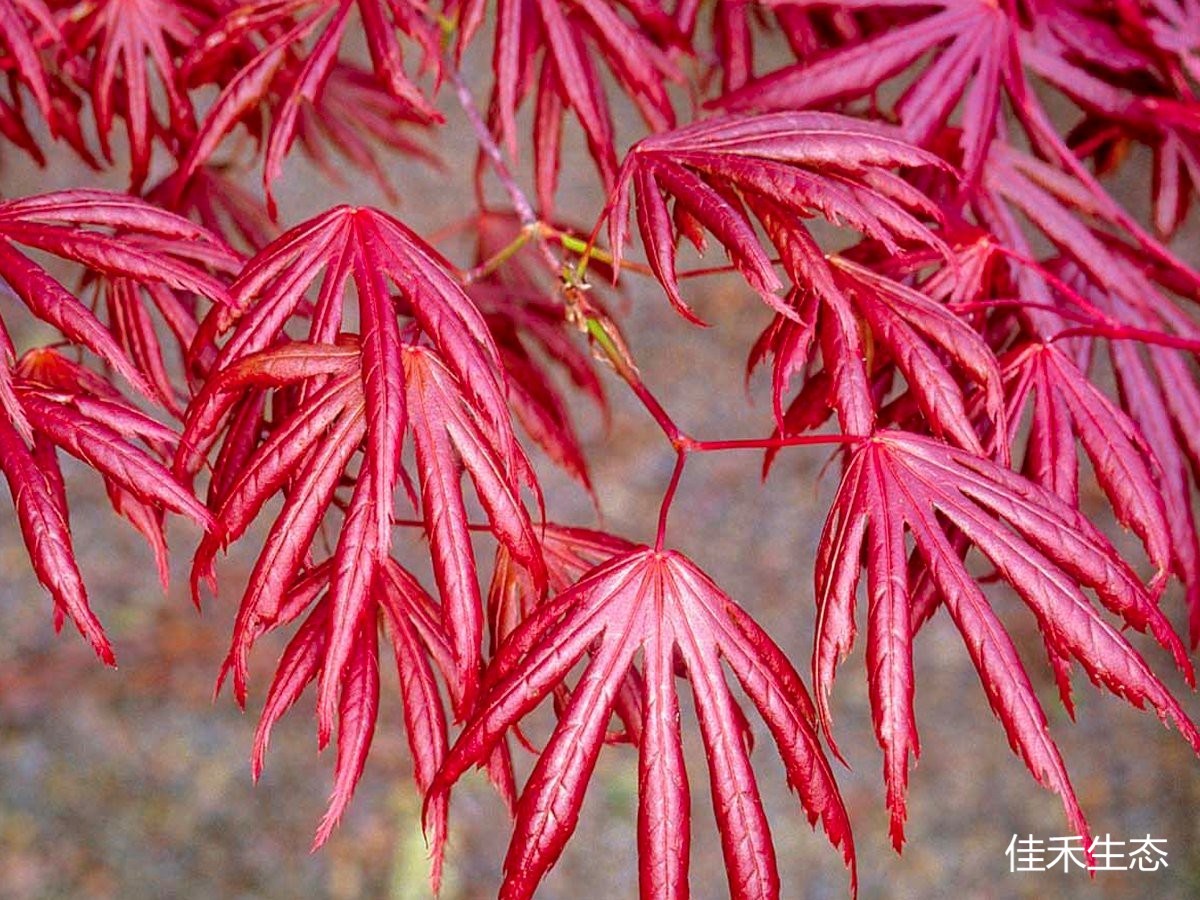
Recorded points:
(669, 497)
(803, 440)
(521, 205)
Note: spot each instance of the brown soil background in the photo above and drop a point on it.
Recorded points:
(134, 783)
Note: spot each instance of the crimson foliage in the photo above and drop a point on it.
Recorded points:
(953, 348)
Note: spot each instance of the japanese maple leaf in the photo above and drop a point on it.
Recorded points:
(51, 404)
(410, 621)
(660, 604)
(570, 552)
(438, 378)
(918, 283)
(307, 455)
(898, 485)
(132, 312)
(551, 45)
(26, 28)
(352, 116)
(1067, 407)
(798, 164)
(1159, 391)
(845, 300)
(1112, 278)
(1118, 114)
(372, 249)
(1166, 29)
(975, 59)
(119, 44)
(213, 197)
(112, 236)
(807, 30)
(269, 39)
(1080, 219)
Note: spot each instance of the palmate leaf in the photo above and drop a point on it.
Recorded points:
(53, 404)
(661, 604)
(1066, 406)
(1125, 280)
(975, 59)
(114, 237)
(410, 621)
(569, 552)
(1041, 545)
(307, 455)
(1128, 69)
(214, 198)
(552, 46)
(438, 378)
(807, 29)
(355, 117)
(303, 661)
(933, 346)
(269, 42)
(800, 164)
(127, 52)
(1072, 211)
(26, 26)
(907, 330)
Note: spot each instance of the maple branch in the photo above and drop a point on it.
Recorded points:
(669, 496)
(803, 440)
(685, 445)
(521, 205)
(497, 259)
(462, 91)
(420, 523)
(618, 357)
(587, 251)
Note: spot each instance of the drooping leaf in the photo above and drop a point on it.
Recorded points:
(118, 238)
(975, 59)
(396, 603)
(280, 68)
(551, 46)
(1067, 406)
(128, 53)
(436, 375)
(800, 163)
(56, 405)
(906, 329)
(660, 604)
(1041, 545)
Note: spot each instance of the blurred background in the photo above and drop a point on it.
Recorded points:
(136, 783)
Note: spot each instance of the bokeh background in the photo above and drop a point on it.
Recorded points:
(136, 783)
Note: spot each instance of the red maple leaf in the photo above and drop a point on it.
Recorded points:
(661, 604)
(51, 404)
(1041, 545)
